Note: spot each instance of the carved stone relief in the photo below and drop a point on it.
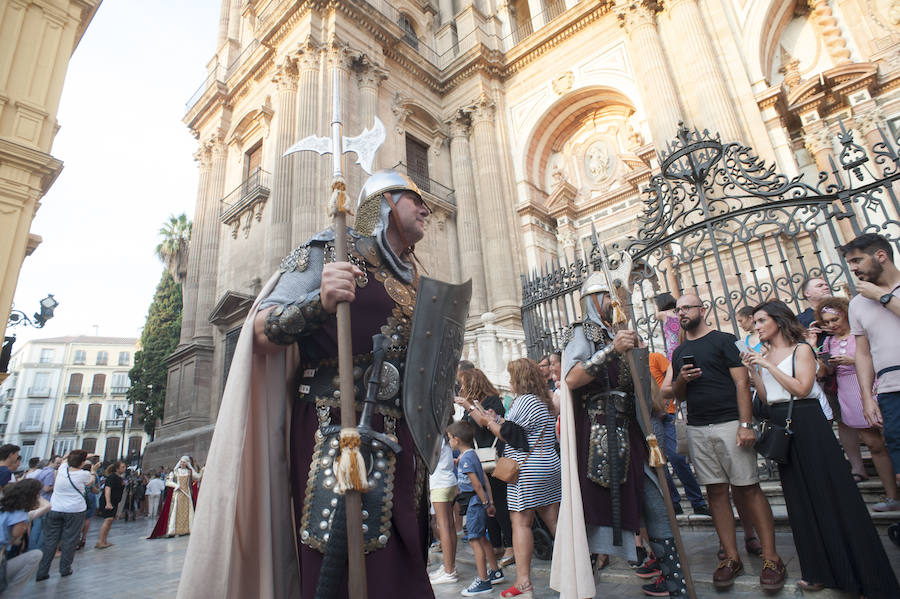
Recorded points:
(598, 161)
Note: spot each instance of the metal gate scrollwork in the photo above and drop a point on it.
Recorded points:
(718, 222)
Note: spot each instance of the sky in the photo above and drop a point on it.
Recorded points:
(128, 166)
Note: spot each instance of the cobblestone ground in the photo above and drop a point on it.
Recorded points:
(138, 568)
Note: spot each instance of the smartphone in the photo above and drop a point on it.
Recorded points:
(687, 361)
(824, 355)
(742, 346)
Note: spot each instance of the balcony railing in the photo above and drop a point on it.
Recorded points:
(251, 195)
(10, 393)
(38, 391)
(31, 427)
(91, 426)
(73, 392)
(68, 427)
(119, 390)
(427, 185)
(98, 391)
(114, 424)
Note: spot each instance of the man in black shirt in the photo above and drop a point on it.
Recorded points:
(708, 374)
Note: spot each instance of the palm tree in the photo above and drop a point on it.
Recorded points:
(173, 250)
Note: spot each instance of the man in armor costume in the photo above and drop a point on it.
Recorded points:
(606, 477)
(293, 327)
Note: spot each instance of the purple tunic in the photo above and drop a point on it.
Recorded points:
(399, 568)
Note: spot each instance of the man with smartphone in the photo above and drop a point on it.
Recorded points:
(707, 373)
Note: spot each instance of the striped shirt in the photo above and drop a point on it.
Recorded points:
(539, 478)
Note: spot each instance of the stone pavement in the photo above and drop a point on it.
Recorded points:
(138, 568)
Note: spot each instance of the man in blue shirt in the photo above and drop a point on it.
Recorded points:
(9, 462)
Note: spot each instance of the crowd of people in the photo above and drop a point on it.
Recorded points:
(829, 368)
(46, 509)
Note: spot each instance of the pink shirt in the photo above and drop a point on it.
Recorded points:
(882, 328)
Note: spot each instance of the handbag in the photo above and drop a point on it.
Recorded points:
(507, 469)
(682, 445)
(773, 441)
(487, 456)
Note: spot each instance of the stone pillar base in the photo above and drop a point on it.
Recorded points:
(166, 451)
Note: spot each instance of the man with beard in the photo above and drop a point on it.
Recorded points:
(608, 487)
(875, 322)
(709, 375)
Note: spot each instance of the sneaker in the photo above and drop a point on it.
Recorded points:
(888, 505)
(657, 588)
(478, 587)
(772, 576)
(678, 509)
(495, 576)
(702, 510)
(726, 572)
(441, 576)
(649, 570)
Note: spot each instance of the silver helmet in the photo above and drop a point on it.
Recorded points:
(595, 283)
(368, 206)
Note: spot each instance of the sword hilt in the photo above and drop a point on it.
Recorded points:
(379, 342)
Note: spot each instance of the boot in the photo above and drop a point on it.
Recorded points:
(670, 565)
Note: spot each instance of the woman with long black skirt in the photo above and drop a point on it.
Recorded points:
(837, 544)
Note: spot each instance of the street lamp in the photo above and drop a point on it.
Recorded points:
(17, 317)
(124, 415)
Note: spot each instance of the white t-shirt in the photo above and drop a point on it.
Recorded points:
(443, 477)
(155, 486)
(882, 328)
(68, 496)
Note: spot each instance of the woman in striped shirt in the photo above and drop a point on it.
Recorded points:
(528, 431)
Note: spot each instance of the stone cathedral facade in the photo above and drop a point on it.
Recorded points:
(524, 122)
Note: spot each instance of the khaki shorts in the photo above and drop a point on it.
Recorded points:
(717, 458)
(444, 495)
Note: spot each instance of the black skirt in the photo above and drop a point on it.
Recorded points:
(836, 542)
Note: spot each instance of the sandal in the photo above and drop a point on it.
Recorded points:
(515, 591)
(810, 586)
(753, 546)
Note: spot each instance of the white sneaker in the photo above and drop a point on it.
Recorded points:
(441, 576)
(888, 505)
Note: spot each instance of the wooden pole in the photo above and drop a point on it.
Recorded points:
(356, 559)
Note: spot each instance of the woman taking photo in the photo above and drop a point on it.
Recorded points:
(839, 359)
(109, 501)
(476, 389)
(67, 508)
(837, 544)
(528, 433)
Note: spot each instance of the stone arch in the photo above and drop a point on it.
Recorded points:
(764, 24)
(560, 120)
(254, 119)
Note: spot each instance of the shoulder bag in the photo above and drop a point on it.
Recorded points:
(773, 441)
(84, 493)
(507, 469)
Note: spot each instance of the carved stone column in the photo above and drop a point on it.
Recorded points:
(307, 202)
(830, 32)
(209, 244)
(369, 77)
(234, 21)
(492, 207)
(278, 236)
(224, 13)
(467, 227)
(203, 157)
(652, 71)
(708, 98)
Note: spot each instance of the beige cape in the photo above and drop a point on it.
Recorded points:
(242, 542)
(570, 571)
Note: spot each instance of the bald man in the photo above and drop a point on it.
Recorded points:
(707, 373)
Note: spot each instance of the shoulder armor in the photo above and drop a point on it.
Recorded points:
(566, 335)
(298, 259)
(593, 331)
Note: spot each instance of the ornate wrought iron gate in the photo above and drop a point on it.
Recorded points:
(720, 223)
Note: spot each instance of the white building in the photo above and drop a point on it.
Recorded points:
(65, 393)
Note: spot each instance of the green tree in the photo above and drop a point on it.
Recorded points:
(158, 340)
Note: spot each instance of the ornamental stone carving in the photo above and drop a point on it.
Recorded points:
(459, 124)
(563, 83)
(483, 109)
(633, 15)
(401, 113)
(285, 77)
(598, 160)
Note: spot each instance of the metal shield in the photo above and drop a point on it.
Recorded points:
(435, 345)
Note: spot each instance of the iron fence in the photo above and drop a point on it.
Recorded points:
(718, 222)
